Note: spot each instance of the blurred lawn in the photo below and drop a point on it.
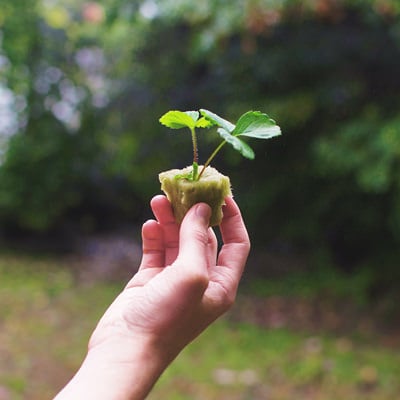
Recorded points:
(46, 319)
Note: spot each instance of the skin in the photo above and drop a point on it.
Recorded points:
(181, 287)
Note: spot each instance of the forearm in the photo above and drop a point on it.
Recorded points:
(117, 372)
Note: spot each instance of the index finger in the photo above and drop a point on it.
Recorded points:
(163, 212)
(236, 247)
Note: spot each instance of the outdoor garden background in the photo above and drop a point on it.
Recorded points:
(82, 86)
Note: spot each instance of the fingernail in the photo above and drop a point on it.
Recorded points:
(203, 210)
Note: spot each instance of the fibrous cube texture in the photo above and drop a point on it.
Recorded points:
(211, 188)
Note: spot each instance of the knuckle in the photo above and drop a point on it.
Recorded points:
(228, 300)
(197, 282)
(200, 235)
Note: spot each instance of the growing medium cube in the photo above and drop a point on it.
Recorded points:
(211, 188)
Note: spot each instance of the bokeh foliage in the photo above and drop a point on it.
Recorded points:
(87, 82)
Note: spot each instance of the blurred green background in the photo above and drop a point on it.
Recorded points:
(82, 85)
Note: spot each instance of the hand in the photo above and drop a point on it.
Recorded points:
(181, 287)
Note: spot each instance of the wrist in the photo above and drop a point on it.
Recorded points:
(117, 370)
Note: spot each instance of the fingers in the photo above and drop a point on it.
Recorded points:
(195, 239)
(153, 245)
(212, 248)
(161, 237)
(197, 245)
(236, 247)
(163, 212)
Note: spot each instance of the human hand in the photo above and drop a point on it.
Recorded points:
(182, 286)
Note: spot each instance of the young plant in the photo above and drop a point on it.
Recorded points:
(203, 183)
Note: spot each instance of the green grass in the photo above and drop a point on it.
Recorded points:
(46, 320)
(327, 280)
(279, 365)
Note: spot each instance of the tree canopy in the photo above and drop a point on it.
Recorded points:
(82, 85)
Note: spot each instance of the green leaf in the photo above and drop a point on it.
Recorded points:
(179, 119)
(217, 120)
(193, 114)
(257, 125)
(203, 123)
(238, 144)
(193, 175)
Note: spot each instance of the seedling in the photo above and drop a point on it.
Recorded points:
(197, 183)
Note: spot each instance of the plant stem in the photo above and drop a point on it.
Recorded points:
(214, 153)
(195, 155)
(194, 141)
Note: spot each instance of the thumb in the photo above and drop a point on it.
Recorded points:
(193, 238)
